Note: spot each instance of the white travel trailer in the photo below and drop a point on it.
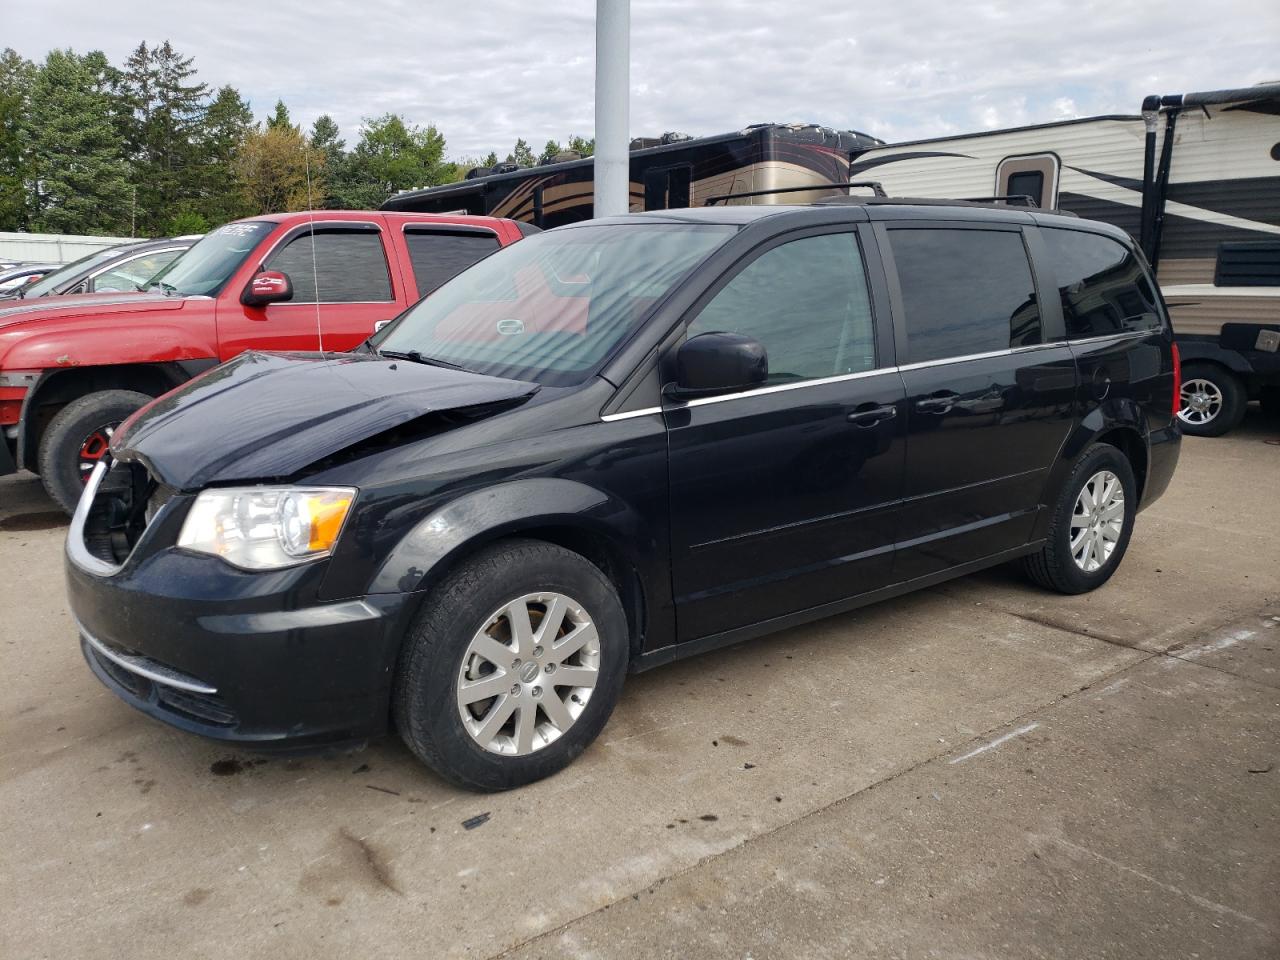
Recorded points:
(1195, 178)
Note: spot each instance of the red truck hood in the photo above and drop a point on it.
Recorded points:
(107, 306)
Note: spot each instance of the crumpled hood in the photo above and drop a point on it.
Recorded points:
(268, 415)
(103, 305)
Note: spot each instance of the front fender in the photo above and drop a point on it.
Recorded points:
(502, 510)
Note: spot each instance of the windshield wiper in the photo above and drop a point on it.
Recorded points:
(415, 356)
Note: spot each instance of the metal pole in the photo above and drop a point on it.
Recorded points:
(613, 79)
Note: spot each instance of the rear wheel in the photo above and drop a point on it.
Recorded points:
(1213, 400)
(513, 666)
(78, 437)
(1091, 524)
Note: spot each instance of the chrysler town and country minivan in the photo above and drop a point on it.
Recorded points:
(614, 445)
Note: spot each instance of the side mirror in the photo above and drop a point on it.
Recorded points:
(712, 363)
(269, 286)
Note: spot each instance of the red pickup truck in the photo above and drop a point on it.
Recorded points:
(72, 368)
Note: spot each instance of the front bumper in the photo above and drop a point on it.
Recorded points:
(254, 658)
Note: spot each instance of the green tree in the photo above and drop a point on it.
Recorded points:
(227, 122)
(392, 156)
(77, 156)
(279, 119)
(583, 146)
(279, 171)
(163, 108)
(16, 78)
(550, 151)
(326, 138)
(521, 154)
(491, 160)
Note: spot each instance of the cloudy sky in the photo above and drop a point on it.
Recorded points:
(488, 71)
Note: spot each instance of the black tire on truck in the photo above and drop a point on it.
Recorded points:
(77, 437)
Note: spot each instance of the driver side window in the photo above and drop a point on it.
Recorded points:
(807, 302)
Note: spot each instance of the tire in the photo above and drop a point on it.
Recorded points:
(1056, 566)
(90, 418)
(440, 656)
(1222, 393)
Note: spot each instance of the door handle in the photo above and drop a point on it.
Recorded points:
(940, 402)
(869, 414)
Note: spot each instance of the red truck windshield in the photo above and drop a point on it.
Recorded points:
(205, 268)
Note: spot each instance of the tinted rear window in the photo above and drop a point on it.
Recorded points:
(438, 256)
(1103, 286)
(964, 292)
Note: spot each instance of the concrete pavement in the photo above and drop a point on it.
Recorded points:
(980, 770)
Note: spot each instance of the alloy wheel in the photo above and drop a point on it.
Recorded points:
(1201, 401)
(528, 673)
(1097, 521)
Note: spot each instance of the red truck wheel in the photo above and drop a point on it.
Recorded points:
(77, 439)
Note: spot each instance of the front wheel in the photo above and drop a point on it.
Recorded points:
(1213, 400)
(78, 437)
(1091, 524)
(513, 666)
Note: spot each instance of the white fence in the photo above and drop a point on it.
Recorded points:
(51, 247)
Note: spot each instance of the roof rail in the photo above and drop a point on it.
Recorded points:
(1023, 200)
(874, 185)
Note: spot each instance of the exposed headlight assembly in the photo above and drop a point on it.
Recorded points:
(267, 528)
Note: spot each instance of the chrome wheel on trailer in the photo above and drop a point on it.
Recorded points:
(528, 674)
(1097, 521)
(1201, 402)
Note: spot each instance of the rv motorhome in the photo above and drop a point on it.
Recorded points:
(666, 172)
(1196, 178)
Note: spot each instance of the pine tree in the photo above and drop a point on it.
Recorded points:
(550, 151)
(279, 119)
(325, 137)
(521, 154)
(227, 121)
(16, 78)
(163, 110)
(491, 160)
(76, 152)
(582, 146)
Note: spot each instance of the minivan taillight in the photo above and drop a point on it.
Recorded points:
(1177, 380)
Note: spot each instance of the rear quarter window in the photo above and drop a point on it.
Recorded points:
(1102, 284)
(438, 256)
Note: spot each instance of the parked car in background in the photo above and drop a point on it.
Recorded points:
(68, 377)
(614, 445)
(122, 269)
(14, 278)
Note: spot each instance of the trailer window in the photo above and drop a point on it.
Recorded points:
(1034, 176)
(1102, 283)
(668, 188)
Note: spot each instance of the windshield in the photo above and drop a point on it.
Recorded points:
(51, 281)
(206, 267)
(553, 307)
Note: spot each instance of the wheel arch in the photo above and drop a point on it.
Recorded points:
(1119, 425)
(56, 388)
(567, 513)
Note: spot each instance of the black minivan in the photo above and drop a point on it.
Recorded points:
(614, 445)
